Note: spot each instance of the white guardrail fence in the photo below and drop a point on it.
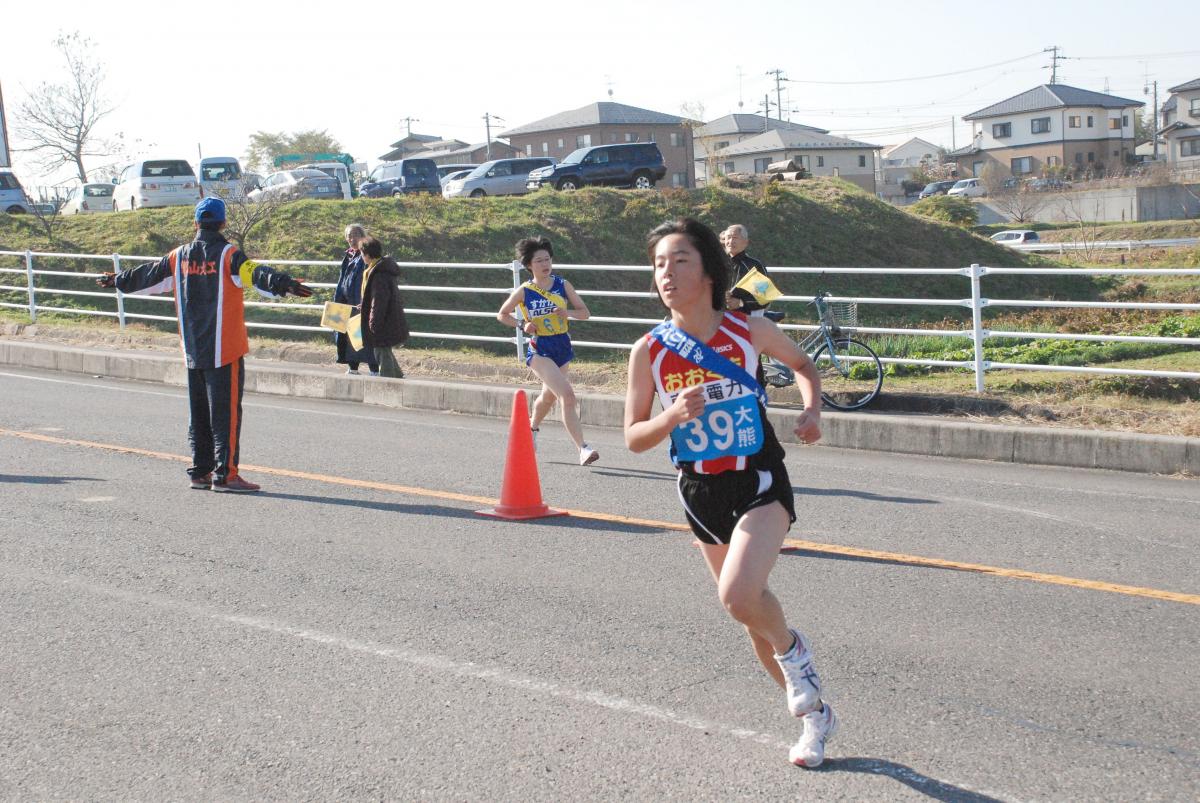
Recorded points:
(976, 302)
(1101, 245)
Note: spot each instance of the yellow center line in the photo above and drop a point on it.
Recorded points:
(790, 543)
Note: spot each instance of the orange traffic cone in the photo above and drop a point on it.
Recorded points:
(521, 492)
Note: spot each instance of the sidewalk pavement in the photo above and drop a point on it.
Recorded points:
(903, 433)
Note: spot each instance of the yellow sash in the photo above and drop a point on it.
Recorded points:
(553, 323)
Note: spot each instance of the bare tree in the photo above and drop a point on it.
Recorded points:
(1011, 197)
(243, 215)
(57, 121)
(47, 210)
(1085, 232)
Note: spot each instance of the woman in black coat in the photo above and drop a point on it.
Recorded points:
(384, 323)
(349, 291)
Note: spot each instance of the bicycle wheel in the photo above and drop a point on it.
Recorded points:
(851, 377)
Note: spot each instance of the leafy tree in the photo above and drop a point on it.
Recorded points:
(57, 122)
(266, 145)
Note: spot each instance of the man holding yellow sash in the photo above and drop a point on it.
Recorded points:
(546, 303)
(735, 239)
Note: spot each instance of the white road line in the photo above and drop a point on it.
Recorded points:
(439, 664)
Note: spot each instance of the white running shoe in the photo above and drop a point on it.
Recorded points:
(588, 455)
(803, 685)
(352, 371)
(819, 728)
(534, 431)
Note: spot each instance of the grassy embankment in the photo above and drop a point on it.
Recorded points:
(816, 223)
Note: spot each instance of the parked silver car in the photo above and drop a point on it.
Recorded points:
(12, 196)
(497, 177)
(291, 185)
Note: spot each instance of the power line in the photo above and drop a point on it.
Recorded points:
(918, 77)
(1178, 54)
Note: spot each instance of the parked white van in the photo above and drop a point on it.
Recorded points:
(968, 188)
(89, 199)
(222, 176)
(156, 182)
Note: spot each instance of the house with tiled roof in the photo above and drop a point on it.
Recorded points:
(1052, 126)
(731, 129)
(608, 123)
(819, 153)
(1181, 126)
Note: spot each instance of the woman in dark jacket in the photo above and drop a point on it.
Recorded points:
(349, 291)
(384, 323)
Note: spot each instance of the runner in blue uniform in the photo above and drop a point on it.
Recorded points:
(546, 303)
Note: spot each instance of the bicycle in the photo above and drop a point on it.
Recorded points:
(851, 372)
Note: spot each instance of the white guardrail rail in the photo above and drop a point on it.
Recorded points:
(1100, 245)
(976, 302)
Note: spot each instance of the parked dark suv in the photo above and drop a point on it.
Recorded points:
(638, 164)
(397, 178)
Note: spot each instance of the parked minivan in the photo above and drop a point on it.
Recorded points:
(497, 177)
(12, 195)
(156, 182)
(968, 188)
(637, 164)
(222, 176)
(397, 178)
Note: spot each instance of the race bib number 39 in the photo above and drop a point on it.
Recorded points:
(730, 428)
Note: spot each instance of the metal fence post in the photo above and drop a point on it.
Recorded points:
(516, 269)
(979, 333)
(29, 283)
(120, 296)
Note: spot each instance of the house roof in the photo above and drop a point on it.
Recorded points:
(924, 145)
(462, 150)
(780, 140)
(970, 148)
(1052, 96)
(1170, 105)
(603, 113)
(1187, 87)
(1187, 129)
(414, 139)
(750, 124)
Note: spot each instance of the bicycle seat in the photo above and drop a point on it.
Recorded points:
(774, 315)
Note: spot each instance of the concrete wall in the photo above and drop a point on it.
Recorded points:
(1119, 204)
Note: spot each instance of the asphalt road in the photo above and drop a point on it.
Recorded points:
(332, 638)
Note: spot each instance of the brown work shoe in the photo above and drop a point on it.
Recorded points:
(202, 483)
(235, 485)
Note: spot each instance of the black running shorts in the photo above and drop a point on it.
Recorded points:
(714, 503)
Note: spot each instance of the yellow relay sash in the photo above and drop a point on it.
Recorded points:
(552, 323)
(760, 286)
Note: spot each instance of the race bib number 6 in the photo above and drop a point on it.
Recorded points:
(731, 428)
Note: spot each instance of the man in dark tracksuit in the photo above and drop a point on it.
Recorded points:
(208, 276)
(735, 239)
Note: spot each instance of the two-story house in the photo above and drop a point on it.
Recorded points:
(1181, 126)
(897, 163)
(608, 123)
(1050, 126)
(731, 129)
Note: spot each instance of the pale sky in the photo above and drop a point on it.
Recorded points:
(210, 74)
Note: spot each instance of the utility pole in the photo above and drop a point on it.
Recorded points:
(1054, 57)
(5, 159)
(1153, 115)
(766, 110)
(408, 121)
(953, 141)
(779, 79)
(487, 122)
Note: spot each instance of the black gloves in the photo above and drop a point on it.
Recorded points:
(296, 287)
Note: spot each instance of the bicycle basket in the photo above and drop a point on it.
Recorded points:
(841, 313)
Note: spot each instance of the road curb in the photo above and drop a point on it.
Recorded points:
(907, 434)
